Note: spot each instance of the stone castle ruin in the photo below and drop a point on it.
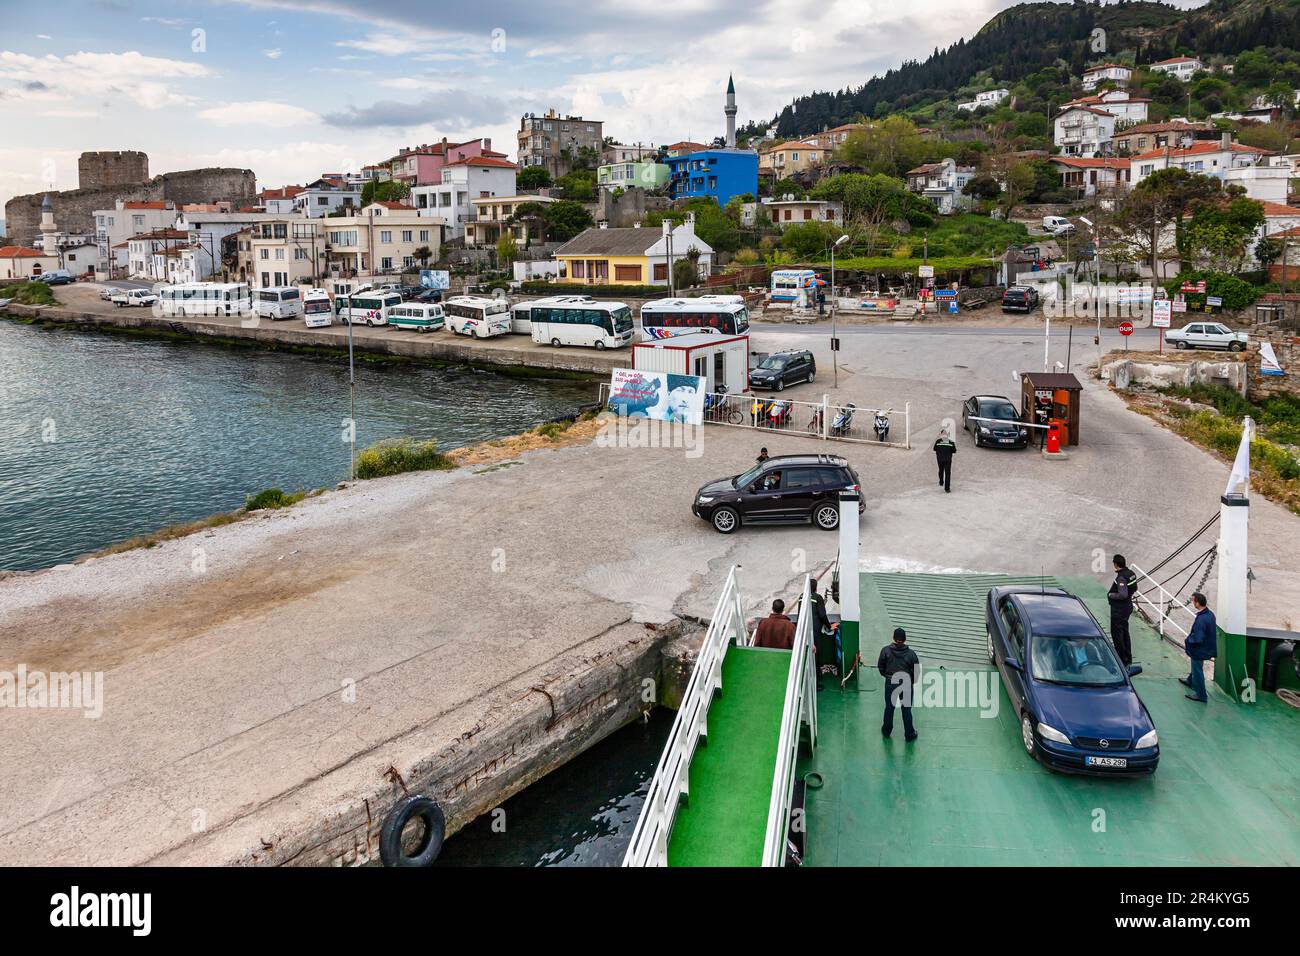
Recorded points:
(105, 177)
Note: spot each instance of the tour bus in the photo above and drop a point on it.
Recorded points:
(791, 285)
(521, 318)
(206, 298)
(477, 315)
(317, 308)
(423, 317)
(278, 302)
(664, 318)
(581, 320)
(370, 308)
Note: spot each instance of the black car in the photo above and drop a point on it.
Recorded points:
(1020, 298)
(993, 420)
(784, 368)
(428, 295)
(1074, 700)
(787, 489)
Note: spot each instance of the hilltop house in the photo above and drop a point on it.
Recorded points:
(1125, 107)
(793, 156)
(626, 175)
(985, 98)
(1183, 67)
(1083, 131)
(632, 256)
(942, 183)
(832, 139)
(451, 199)
(325, 196)
(1147, 136)
(789, 211)
(1090, 175)
(717, 174)
(1112, 72)
(1208, 158)
(422, 165)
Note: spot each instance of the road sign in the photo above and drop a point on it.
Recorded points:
(1126, 328)
(925, 272)
(1161, 312)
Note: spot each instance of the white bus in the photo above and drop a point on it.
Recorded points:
(206, 298)
(421, 316)
(581, 320)
(664, 318)
(521, 318)
(317, 308)
(477, 315)
(278, 302)
(370, 308)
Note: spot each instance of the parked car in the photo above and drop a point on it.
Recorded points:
(994, 420)
(428, 295)
(787, 489)
(1020, 298)
(780, 369)
(106, 292)
(1075, 701)
(56, 277)
(1057, 225)
(128, 297)
(1207, 335)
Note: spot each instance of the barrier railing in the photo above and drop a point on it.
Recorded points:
(800, 710)
(1162, 611)
(671, 780)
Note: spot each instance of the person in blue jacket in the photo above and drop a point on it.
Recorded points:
(1201, 645)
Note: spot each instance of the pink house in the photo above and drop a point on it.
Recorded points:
(423, 165)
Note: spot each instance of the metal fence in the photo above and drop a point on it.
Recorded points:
(827, 420)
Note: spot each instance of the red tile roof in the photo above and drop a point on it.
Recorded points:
(1279, 209)
(284, 192)
(1107, 66)
(484, 161)
(1067, 108)
(161, 234)
(1092, 162)
(1199, 149)
(1175, 59)
(19, 252)
(144, 205)
(388, 204)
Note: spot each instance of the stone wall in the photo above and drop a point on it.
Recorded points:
(1157, 372)
(74, 209)
(112, 168)
(1286, 346)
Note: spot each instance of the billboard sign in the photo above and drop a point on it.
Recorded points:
(637, 393)
(435, 279)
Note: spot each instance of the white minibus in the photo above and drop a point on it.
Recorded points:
(477, 315)
(206, 298)
(317, 308)
(278, 302)
(581, 320)
(369, 308)
(421, 316)
(663, 318)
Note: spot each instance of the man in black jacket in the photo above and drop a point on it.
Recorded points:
(944, 449)
(1120, 596)
(900, 667)
(824, 637)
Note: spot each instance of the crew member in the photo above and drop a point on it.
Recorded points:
(1120, 596)
(824, 635)
(944, 449)
(1201, 646)
(900, 667)
(775, 630)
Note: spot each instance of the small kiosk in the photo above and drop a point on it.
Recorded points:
(722, 360)
(1047, 397)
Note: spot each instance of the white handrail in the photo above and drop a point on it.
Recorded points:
(1171, 601)
(800, 708)
(671, 781)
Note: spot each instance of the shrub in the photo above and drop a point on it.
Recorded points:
(273, 498)
(1236, 293)
(29, 293)
(551, 430)
(394, 456)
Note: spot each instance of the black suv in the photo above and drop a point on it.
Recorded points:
(787, 489)
(784, 368)
(1020, 298)
(994, 420)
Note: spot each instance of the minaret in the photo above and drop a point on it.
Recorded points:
(49, 231)
(731, 112)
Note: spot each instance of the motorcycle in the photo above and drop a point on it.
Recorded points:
(778, 414)
(843, 419)
(881, 426)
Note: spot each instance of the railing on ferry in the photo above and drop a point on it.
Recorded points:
(671, 781)
(800, 709)
(1162, 611)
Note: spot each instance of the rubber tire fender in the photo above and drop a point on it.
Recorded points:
(390, 834)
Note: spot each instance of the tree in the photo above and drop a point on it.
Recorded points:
(565, 219)
(808, 240)
(892, 146)
(533, 177)
(1018, 183)
(384, 190)
(982, 187)
(579, 185)
(1219, 234)
(423, 254)
(507, 250)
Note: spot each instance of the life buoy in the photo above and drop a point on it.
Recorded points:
(430, 845)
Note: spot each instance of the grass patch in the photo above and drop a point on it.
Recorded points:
(169, 533)
(272, 498)
(1278, 416)
(395, 456)
(29, 293)
(552, 430)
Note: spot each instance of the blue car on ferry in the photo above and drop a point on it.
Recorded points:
(1074, 698)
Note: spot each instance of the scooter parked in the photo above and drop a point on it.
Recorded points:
(881, 425)
(843, 419)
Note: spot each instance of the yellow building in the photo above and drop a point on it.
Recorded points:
(791, 157)
(632, 256)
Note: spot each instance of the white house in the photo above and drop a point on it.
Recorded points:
(113, 227)
(1182, 67)
(1117, 74)
(942, 183)
(986, 98)
(325, 196)
(1208, 158)
(1267, 181)
(1083, 131)
(1127, 109)
(281, 201)
(1088, 175)
(477, 177)
(793, 212)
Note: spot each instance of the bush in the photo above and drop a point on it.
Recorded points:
(273, 498)
(1236, 293)
(397, 455)
(29, 293)
(541, 287)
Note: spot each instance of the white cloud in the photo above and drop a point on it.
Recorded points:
(137, 77)
(273, 54)
(44, 36)
(258, 113)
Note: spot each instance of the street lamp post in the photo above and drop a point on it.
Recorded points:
(835, 359)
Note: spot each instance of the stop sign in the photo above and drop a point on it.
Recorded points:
(1126, 328)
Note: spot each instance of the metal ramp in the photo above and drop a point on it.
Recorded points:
(943, 614)
(722, 791)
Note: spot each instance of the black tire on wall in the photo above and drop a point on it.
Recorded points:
(430, 845)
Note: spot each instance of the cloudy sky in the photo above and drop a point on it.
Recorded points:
(293, 88)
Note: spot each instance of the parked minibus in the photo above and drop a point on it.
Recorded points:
(477, 315)
(369, 308)
(581, 320)
(423, 317)
(278, 302)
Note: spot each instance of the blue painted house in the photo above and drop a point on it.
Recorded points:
(717, 174)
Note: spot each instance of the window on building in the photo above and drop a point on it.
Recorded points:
(322, 200)
(386, 263)
(279, 254)
(627, 273)
(137, 220)
(424, 235)
(265, 254)
(300, 254)
(661, 272)
(385, 235)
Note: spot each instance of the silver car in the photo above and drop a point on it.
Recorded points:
(1207, 335)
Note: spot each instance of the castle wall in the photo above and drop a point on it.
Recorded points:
(112, 168)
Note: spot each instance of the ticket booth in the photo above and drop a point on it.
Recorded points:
(1047, 397)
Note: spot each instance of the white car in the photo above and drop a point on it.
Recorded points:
(1207, 335)
(127, 297)
(107, 292)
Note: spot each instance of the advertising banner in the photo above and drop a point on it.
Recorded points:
(1268, 363)
(435, 279)
(659, 395)
(1161, 313)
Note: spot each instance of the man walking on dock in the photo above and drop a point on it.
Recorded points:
(775, 630)
(899, 665)
(1120, 596)
(1201, 645)
(944, 449)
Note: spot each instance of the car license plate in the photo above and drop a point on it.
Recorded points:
(1105, 761)
(1006, 441)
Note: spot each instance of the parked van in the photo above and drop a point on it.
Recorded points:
(372, 308)
(423, 317)
(1057, 225)
(477, 316)
(278, 302)
(317, 308)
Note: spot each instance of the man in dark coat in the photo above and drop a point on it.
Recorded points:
(1120, 596)
(944, 449)
(1201, 646)
(823, 633)
(775, 630)
(900, 667)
